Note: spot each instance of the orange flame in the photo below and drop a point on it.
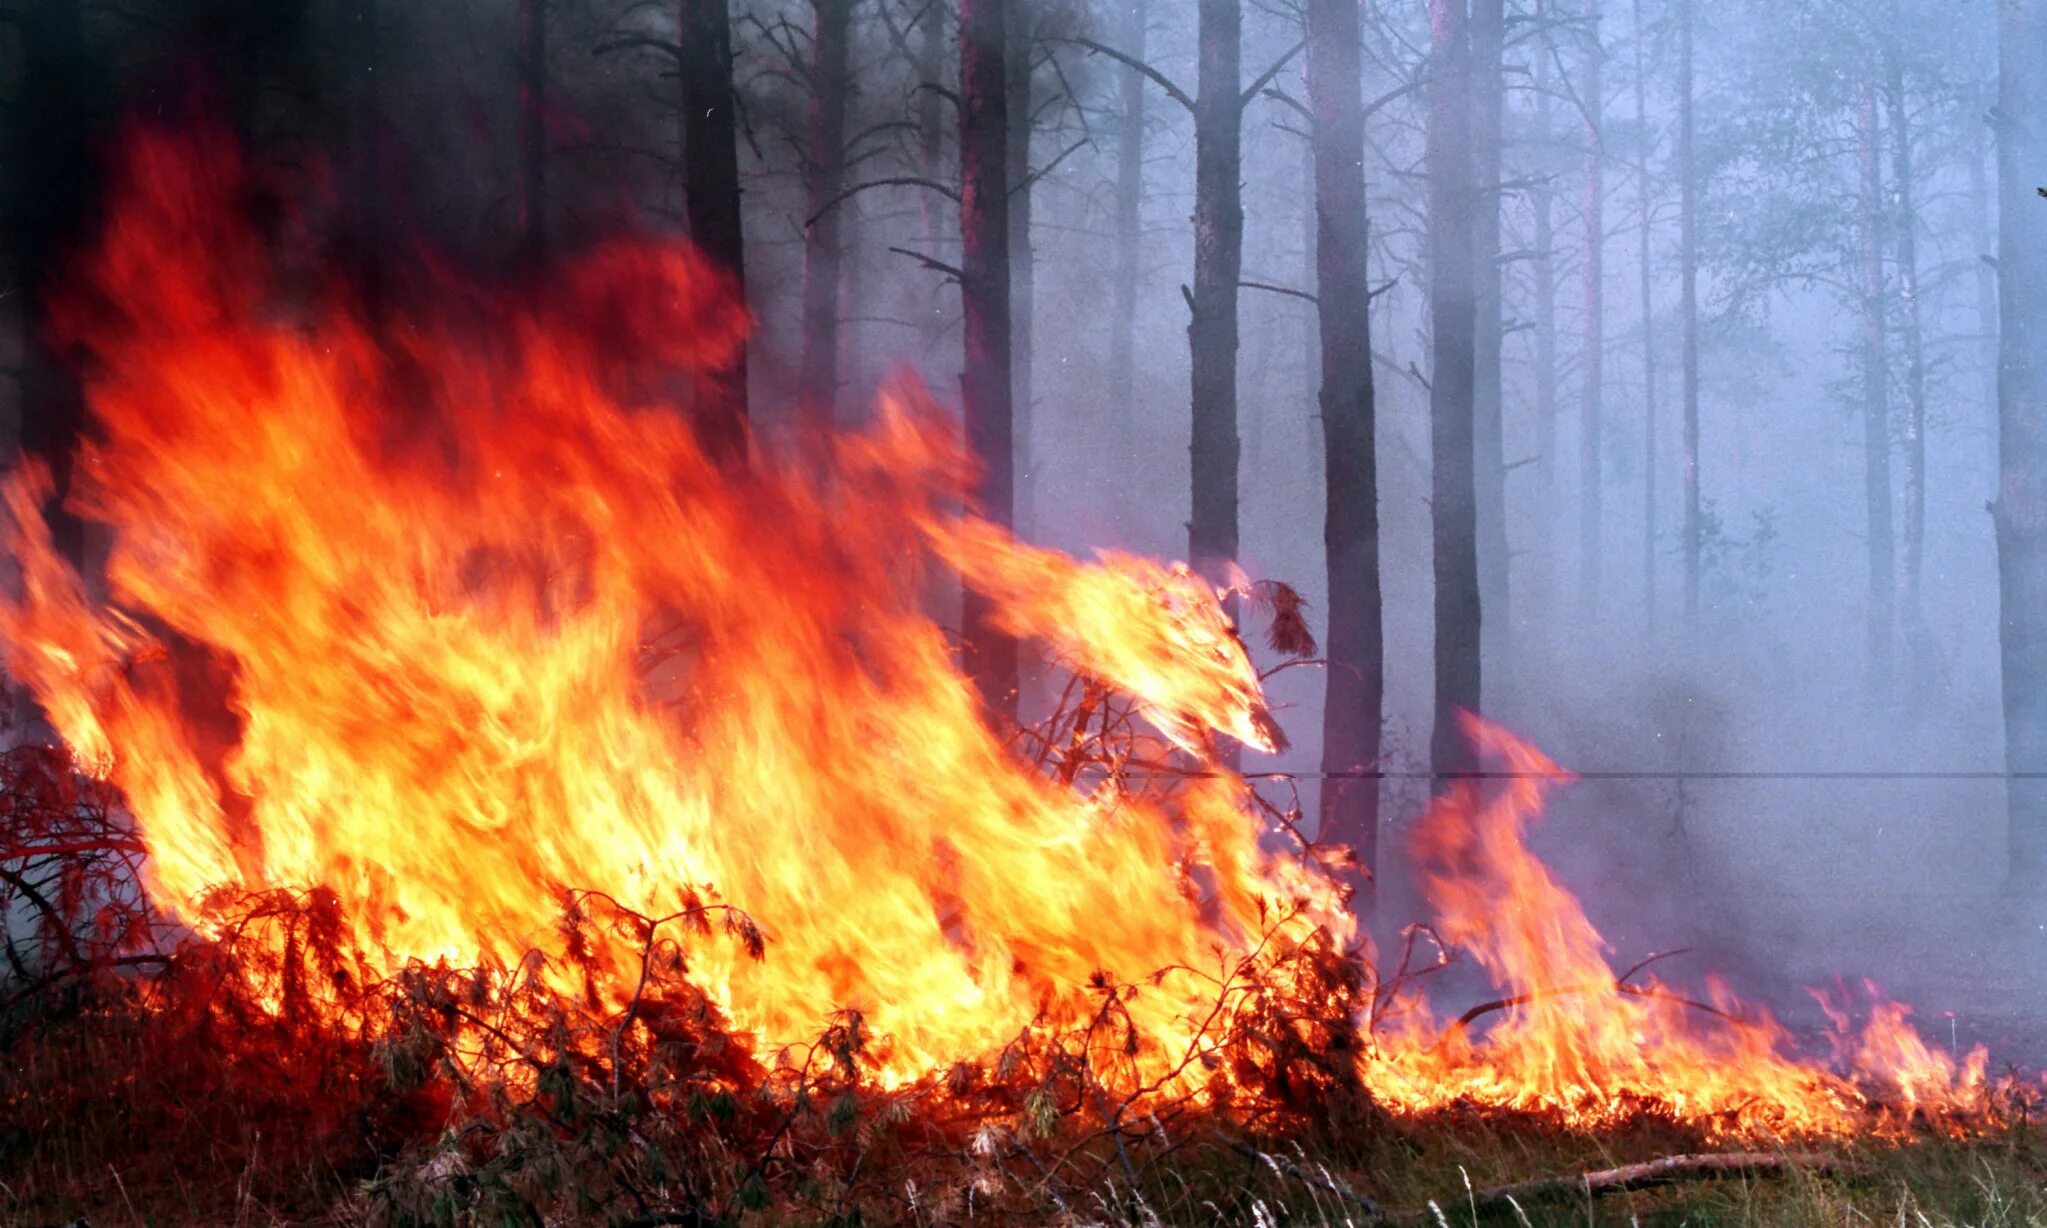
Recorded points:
(451, 615)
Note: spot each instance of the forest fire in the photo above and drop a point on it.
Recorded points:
(451, 618)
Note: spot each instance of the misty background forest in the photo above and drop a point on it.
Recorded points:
(1627, 371)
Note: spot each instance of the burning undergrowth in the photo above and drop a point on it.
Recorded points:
(575, 824)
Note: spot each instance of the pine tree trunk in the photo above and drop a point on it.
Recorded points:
(824, 177)
(1453, 316)
(1876, 420)
(1911, 611)
(1688, 306)
(1218, 267)
(1544, 269)
(1488, 36)
(1022, 280)
(1649, 423)
(1129, 253)
(1983, 207)
(533, 128)
(1353, 708)
(930, 110)
(985, 382)
(2021, 506)
(1592, 418)
(710, 160)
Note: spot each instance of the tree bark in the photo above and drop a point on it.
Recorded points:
(824, 178)
(1905, 219)
(1129, 250)
(1649, 423)
(533, 129)
(986, 382)
(1218, 267)
(1592, 418)
(1876, 393)
(2020, 510)
(710, 158)
(1488, 38)
(1983, 205)
(1020, 48)
(1355, 686)
(1453, 318)
(1544, 270)
(1688, 306)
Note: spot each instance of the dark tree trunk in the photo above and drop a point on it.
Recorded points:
(1876, 409)
(1488, 36)
(1022, 284)
(710, 161)
(1983, 205)
(824, 178)
(1688, 306)
(1356, 673)
(1649, 423)
(1592, 420)
(1129, 249)
(52, 193)
(2021, 506)
(366, 152)
(1453, 319)
(533, 128)
(930, 109)
(985, 384)
(1218, 267)
(1905, 218)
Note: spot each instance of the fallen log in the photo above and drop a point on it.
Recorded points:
(1662, 1171)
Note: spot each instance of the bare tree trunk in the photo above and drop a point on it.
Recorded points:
(1876, 425)
(1022, 269)
(1983, 204)
(824, 178)
(1592, 419)
(2021, 506)
(1911, 612)
(1688, 306)
(930, 109)
(1218, 267)
(1488, 37)
(1453, 315)
(1129, 252)
(985, 383)
(1649, 424)
(533, 128)
(1353, 709)
(710, 154)
(1544, 268)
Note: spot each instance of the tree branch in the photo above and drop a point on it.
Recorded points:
(1164, 82)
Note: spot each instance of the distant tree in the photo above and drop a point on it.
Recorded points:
(1453, 322)
(1688, 299)
(1355, 673)
(1592, 419)
(829, 80)
(1646, 207)
(1488, 102)
(2020, 510)
(1129, 229)
(1876, 394)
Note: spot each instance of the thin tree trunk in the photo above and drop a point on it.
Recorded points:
(1488, 36)
(1022, 276)
(2021, 506)
(1453, 316)
(1911, 614)
(824, 177)
(710, 154)
(1218, 267)
(1983, 204)
(1592, 420)
(985, 382)
(533, 128)
(1355, 676)
(1649, 423)
(930, 110)
(1128, 255)
(1876, 425)
(1688, 306)
(1544, 269)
